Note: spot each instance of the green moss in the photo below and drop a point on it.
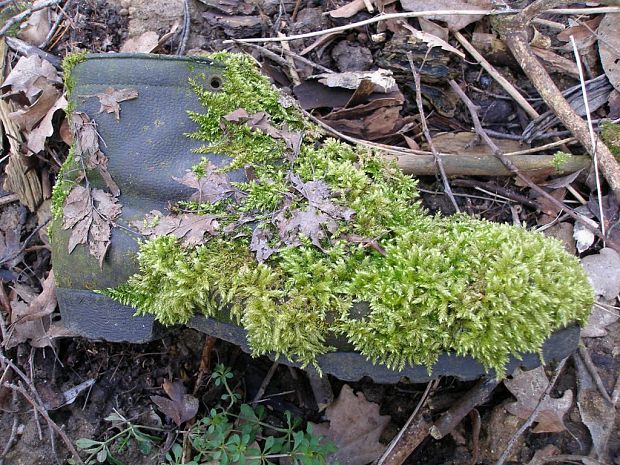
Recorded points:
(610, 133)
(559, 160)
(398, 284)
(64, 183)
(68, 63)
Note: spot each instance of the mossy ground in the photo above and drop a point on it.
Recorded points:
(433, 284)
(610, 133)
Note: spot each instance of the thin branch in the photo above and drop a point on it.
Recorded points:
(427, 133)
(532, 418)
(501, 80)
(24, 14)
(589, 364)
(417, 14)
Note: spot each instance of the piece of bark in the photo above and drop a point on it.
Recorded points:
(20, 178)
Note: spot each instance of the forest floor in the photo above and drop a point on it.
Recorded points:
(59, 390)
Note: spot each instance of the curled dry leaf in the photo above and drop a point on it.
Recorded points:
(87, 147)
(45, 129)
(528, 387)
(180, 406)
(30, 77)
(30, 315)
(382, 79)
(355, 426)
(28, 117)
(35, 29)
(189, 227)
(110, 99)
(454, 22)
(90, 214)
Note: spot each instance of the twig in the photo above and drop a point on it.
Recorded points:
(511, 166)
(25, 244)
(265, 383)
(427, 133)
(532, 418)
(290, 62)
(9, 443)
(417, 14)
(411, 434)
(587, 361)
(514, 33)
(186, 28)
(475, 434)
(205, 361)
(54, 28)
(298, 57)
(592, 137)
(25, 49)
(472, 398)
(10, 198)
(501, 80)
(18, 18)
(50, 422)
(495, 189)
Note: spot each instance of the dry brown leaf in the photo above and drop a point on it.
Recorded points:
(355, 426)
(30, 77)
(90, 215)
(87, 146)
(260, 244)
(45, 129)
(584, 33)
(454, 22)
(431, 40)
(30, 314)
(210, 188)
(180, 407)
(189, 227)
(28, 117)
(144, 43)
(431, 27)
(308, 222)
(349, 9)
(382, 79)
(35, 29)
(608, 46)
(556, 63)
(595, 412)
(12, 219)
(110, 99)
(528, 387)
(319, 195)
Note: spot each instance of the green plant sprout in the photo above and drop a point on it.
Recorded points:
(102, 451)
(347, 251)
(237, 433)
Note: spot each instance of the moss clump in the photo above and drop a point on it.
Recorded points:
(63, 184)
(68, 63)
(610, 133)
(400, 285)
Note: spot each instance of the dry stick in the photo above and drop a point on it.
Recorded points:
(25, 49)
(510, 165)
(514, 33)
(501, 80)
(265, 383)
(495, 190)
(50, 422)
(584, 95)
(11, 440)
(298, 57)
(427, 133)
(587, 361)
(24, 14)
(472, 398)
(532, 418)
(54, 28)
(475, 447)
(186, 29)
(417, 14)
(205, 359)
(411, 434)
(292, 69)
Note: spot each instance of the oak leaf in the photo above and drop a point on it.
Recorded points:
(319, 195)
(309, 222)
(260, 244)
(355, 426)
(528, 387)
